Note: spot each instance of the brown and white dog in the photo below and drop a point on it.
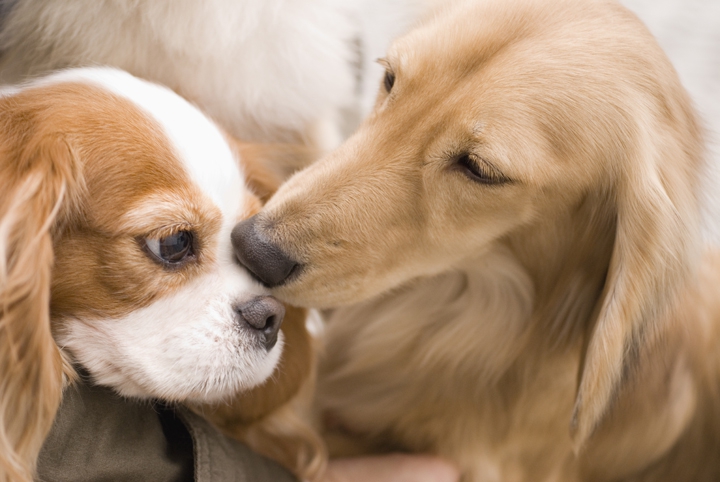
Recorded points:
(519, 222)
(117, 199)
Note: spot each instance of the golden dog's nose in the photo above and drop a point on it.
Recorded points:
(265, 260)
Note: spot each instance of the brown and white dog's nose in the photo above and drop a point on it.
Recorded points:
(266, 261)
(263, 314)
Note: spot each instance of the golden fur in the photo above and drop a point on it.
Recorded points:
(518, 220)
(73, 160)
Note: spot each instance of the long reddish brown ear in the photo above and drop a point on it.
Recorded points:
(266, 166)
(657, 247)
(267, 417)
(38, 175)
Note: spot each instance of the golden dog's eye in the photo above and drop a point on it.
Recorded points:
(173, 249)
(389, 81)
(480, 171)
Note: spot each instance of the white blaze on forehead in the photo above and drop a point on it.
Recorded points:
(198, 142)
(189, 343)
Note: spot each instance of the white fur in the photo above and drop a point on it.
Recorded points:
(270, 70)
(198, 141)
(267, 70)
(189, 344)
(186, 346)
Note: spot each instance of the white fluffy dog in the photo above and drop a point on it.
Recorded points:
(271, 70)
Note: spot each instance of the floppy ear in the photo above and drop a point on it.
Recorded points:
(37, 176)
(266, 417)
(657, 244)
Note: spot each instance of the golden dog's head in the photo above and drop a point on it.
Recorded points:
(558, 130)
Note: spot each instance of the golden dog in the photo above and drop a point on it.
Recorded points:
(526, 196)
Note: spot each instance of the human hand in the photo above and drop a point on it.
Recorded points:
(391, 468)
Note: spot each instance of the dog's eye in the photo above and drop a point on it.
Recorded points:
(173, 249)
(480, 171)
(389, 81)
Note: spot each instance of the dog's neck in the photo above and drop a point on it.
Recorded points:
(567, 257)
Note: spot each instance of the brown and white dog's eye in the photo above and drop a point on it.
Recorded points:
(479, 170)
(389, 81)
(173, 250)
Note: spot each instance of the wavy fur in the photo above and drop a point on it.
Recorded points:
(38, 179)
(512, 246)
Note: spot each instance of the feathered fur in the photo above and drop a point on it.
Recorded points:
(91, 166)
(511, 242)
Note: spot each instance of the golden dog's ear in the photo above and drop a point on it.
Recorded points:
(266, 417)
(266, 166)
(657, 243)
(38, 175)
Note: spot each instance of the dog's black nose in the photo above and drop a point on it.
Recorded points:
(263, 314)
(262, 258)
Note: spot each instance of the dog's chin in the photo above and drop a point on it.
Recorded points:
(315, 293)
(316, 287)
(204, 385)
(325, 289)
(172, 374)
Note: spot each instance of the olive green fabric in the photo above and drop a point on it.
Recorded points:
(99, 436)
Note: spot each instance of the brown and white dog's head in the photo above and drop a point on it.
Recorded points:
(117, 199)
(556, 130)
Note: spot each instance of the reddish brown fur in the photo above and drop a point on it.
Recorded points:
(265, 165)
(82, 175)
(30, 363)
(84, 153)
(266, 417)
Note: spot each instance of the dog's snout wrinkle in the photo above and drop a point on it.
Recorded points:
(265, 260)
(265, 315)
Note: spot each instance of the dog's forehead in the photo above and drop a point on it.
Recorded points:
(462, 36)
(197, 142)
